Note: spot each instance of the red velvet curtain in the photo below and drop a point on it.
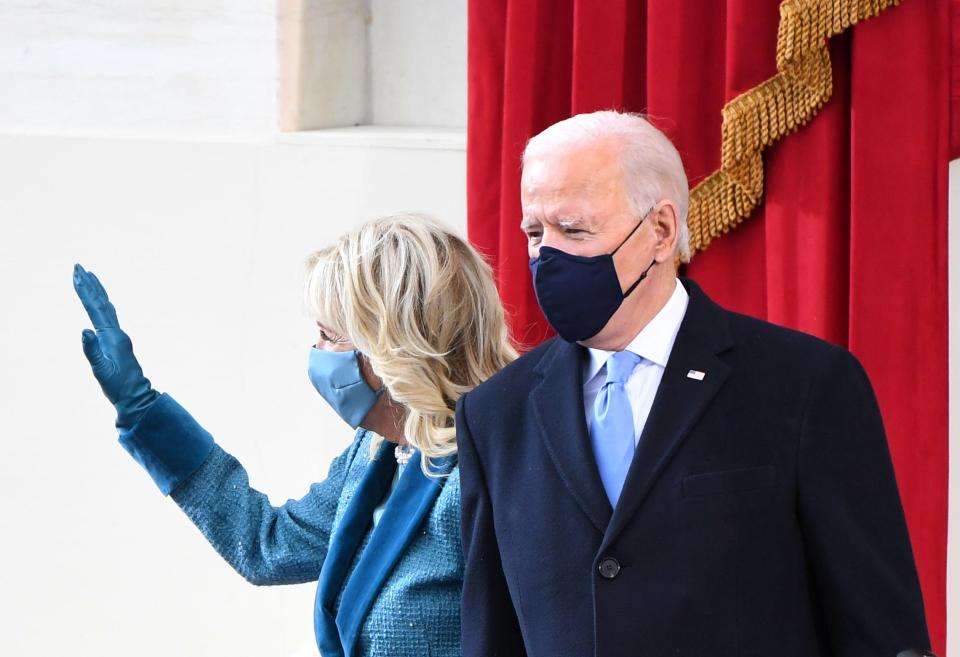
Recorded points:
(850, 241)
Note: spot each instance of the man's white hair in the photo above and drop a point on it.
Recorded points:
(652, 169)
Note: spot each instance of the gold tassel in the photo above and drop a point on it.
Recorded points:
(761, 116)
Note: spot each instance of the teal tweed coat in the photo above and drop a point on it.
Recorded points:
(391, 590)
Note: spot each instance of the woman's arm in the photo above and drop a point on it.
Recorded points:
(264, 543)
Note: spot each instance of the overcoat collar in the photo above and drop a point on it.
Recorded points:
(557, 403)
(344, 542)
(410, 502)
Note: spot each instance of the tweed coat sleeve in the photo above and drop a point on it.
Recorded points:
(263, 543)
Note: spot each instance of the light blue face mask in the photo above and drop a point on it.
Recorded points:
(336, 376)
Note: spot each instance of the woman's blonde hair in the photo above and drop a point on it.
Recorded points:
(420, 304)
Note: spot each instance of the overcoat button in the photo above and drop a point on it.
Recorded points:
(609, 568)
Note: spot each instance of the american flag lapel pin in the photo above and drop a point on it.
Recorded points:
(696, 375)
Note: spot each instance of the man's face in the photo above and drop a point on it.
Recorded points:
(575, 201)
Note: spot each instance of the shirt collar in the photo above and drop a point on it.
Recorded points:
(655, 340)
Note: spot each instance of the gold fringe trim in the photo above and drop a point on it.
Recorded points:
(759, 117)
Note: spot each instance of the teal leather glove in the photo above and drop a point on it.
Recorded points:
(110, 353)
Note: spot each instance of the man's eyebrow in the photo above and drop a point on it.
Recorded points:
(527, 224)
(574, 222)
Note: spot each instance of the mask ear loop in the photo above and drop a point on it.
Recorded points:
(630, 234)
(645, 271)
(383, 386)
(639, 280)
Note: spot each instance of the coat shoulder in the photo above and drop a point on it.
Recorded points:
(782, 345)
(514, 379)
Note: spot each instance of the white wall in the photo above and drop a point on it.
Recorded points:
(418, 62)
(379, 62)
(210, 67)
(171, 67)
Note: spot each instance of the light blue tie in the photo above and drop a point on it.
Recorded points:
(612, 433)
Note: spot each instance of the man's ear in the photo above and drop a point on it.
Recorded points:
(666, 226)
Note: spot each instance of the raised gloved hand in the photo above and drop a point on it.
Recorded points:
(110, 353)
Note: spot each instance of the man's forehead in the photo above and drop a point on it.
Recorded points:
(570, 173)
(571, 199)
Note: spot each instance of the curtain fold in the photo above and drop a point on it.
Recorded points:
(849, 241)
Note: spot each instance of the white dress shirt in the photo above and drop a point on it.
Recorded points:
(654, 344)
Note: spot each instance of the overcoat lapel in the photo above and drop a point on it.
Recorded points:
(680, 400)
(408, 506)
(343, 546)
(558, 407)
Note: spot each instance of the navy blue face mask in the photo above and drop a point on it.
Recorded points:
(579, 294)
